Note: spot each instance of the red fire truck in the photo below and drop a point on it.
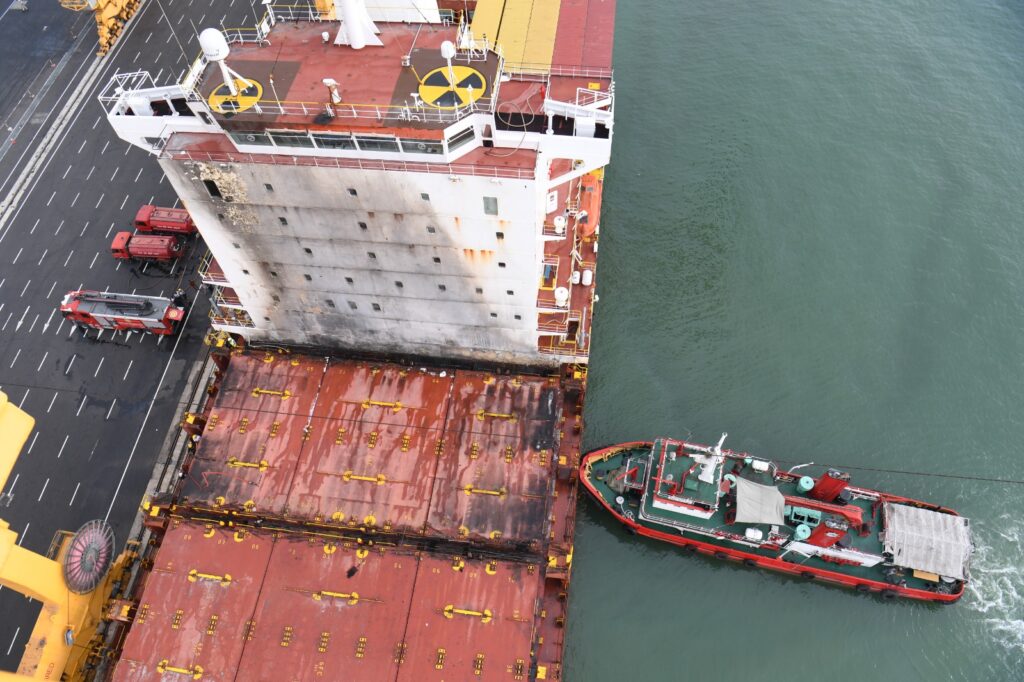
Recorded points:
(157, 219)
(124, 312)
(127, 246)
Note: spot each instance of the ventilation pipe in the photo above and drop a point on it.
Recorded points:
(357, 28)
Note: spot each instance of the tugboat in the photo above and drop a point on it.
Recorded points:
(733, 506)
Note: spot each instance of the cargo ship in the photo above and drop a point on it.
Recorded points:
(374, 473)
(733, 506)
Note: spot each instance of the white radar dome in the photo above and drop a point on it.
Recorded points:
(214, 45)
(447, 49)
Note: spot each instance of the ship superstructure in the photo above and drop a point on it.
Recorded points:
(416, 178)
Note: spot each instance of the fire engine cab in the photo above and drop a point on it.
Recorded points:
(124, 312)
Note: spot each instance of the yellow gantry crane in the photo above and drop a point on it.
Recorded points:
(111, 16)
(61, 640)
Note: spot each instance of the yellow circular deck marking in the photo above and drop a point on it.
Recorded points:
(223, 102)
(436, 88)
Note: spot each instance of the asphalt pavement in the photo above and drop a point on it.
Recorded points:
(103, 402)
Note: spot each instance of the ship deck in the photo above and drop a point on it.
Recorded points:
(440, 502)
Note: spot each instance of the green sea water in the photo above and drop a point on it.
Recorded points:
(813, 238)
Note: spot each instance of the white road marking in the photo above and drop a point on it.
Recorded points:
(32, 231)
(84, 228)
(33, 325)
(15, 638)
(97, 121)
(63, 445)
(127, 370)
(124, 202)
(75, 200)
(99, 201)
(58, 228)
(104, 150)
(74, 494)
(81, 406)
(43, 491)
(48, 201)
(34, 439)
(24, 288)
(45, 251)
(73, 356)
(94, 260)
(96, 373)
(42, 361)
(52, 401)
(82, 145)
(109, 230)
(138, 174)
(91, 171)
(17, 256)
(23, 534)
(24, 397)
(15, 358)
(4, 328)
(68, 258)
(65, 176)
(107, 418)
(149, 410)
(114, 175)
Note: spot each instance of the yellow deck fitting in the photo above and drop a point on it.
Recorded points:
(338, 516)
(491, 567)
(286, 635)
(236, 463)
(483, 414)
(243, 425)
(194, 576)
(450, 612)
(283, 395)
(369, 520)
(478, 664)
(395, 406)
(361, 647)
(330, 548)
(439, 661)
(406, 440)
(351, 597)
(458, 563)
(496, 535)
(274, 428)
(379, 479)
(325, 639)
(176, 621)
(470, 490)
(340, 439)
(195, 671)
(211, 627)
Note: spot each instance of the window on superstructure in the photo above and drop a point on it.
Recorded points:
(255, 137)
(510, 292)
(245, 272)
(362, 225)
(501, 265)
(267, 186)
(399, 284)
(353, 192)
(518, 317)
(213, 189)
(352, 305)
(236, 245)
(500, 235)
(309, 251)
(273, 273)
(441, 287)
(330, 303)
(329, 141)
(422, 146)
(479, 290)
(372, 255)
(349, 280)
(494, 314)
(377, 144)
(491, 205)
(424, 196)
(309, 278)
(437, 259)
(276, 298)
(376, 307)
(431, 229)
(290, 138)
(282, 220)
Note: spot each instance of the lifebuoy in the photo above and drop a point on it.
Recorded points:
(889, 594)
(749, 562)
(861, 587)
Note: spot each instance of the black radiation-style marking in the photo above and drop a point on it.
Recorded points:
(436, 89)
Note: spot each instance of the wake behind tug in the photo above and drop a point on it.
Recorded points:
(734, 506)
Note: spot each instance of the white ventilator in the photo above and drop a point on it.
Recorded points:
(215, 49)
(357, 28)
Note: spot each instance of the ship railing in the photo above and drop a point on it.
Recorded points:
(231, 318)
(549, 230)
(121, 83)
(377, 112)
(554, 326)
(530, 70)
(362, 164)
(208, 273)
(223, 299)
